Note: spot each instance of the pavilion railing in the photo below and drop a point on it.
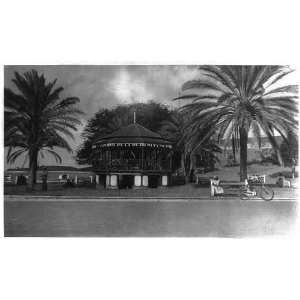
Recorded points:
(133, 165)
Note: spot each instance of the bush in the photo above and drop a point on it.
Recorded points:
(289, 150)
(85, 182)
(69, 183)
(269, 156)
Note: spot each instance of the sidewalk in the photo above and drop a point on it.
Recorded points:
(281, 194)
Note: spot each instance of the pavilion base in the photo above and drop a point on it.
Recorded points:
(165, 181)
(112, 187)
(100, 187)
(132, 181)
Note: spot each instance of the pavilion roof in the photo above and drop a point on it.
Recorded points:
(133, 134)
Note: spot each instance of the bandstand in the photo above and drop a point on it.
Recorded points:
(132, 157)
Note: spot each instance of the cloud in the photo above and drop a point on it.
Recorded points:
(142, 83)
(129, 88)
(174, 76)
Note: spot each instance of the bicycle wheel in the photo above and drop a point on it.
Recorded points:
(266, 193)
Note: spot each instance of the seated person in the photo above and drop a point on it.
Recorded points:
(248, 189)
(282, 182)
(216, 189)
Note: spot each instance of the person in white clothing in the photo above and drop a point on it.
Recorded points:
(216, 189)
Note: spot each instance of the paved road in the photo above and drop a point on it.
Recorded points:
(148, 217)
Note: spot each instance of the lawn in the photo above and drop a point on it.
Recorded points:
(272, 172)
(198, 218)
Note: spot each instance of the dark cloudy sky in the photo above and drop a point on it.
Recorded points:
(107, 86)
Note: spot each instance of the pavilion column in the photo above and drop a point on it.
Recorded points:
(164, 180)
(145, 180)
(137, 181)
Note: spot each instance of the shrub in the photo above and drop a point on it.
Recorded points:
(289, 150)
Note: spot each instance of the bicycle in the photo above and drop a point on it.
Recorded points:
(255, 187)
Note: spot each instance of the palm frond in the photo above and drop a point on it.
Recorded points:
(55, 155)
(12, 156)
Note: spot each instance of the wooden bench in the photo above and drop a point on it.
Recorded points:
(228, 186)
(202, 180)
(234, 186)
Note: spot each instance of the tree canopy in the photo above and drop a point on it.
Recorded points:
(187, 146)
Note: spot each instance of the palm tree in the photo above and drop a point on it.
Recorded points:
(235, 100)
(186, 144)
(37, 119)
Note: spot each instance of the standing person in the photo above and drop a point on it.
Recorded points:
(294, 163)
(44, 179)
(192, 175)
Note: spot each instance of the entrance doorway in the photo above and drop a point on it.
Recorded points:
(126, 181)
(153, 181)
(102, 179)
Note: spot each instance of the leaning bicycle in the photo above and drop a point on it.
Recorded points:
(255, 187)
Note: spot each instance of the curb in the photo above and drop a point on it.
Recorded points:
(19, 198)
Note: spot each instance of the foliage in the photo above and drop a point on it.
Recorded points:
(269, 156)
(289, 150)
(233, 100)
(37, 119)
(186, 146)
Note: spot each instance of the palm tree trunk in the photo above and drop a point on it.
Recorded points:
(33, 155)
(243, 153)
(184, 166)
(233, 149)
(187, 167)
(182, 162)
(279, 157)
